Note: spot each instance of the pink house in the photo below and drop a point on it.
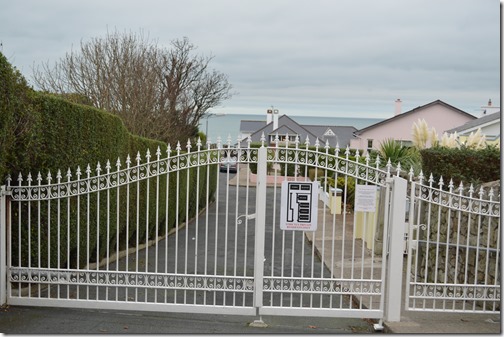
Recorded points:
(437, 114)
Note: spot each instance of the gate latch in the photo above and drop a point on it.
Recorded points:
(247, 216)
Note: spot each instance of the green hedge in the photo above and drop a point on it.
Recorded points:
(15, 114)
(72, 135)
(462, 165)
(44, 133)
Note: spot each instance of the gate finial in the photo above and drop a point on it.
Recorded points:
(263, 139)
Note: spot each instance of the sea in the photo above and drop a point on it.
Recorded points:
(229, 125)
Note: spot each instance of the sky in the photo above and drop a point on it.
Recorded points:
(341, 58)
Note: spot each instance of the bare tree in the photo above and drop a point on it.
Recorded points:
(189, 87)
(159, 93)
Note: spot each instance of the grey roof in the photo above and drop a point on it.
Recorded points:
(286, 125)
(342, 134)
(283, 120)
(251, 126)
(412, 112)
(476, 122)
(282, 130)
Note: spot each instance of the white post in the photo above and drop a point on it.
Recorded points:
(260, 225)
(395, 252)
(3, 246)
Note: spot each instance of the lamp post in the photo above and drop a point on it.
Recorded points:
(209, 115)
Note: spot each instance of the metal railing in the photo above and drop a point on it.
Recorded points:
(454, 251)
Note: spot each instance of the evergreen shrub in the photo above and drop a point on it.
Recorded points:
(42, 133)
(462, 164)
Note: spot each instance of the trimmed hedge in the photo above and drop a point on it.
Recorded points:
(14, 114)
(45, 133)
(462, 165)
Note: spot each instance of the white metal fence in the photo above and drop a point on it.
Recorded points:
(454, 250)
(179, 232)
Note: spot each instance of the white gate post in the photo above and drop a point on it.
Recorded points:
(260, 225)
(3, 246)
(395, 250)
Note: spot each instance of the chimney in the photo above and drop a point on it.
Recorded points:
(398, 106)
(269, 116)
(275, 119)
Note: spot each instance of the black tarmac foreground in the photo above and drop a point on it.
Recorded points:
(38, 320)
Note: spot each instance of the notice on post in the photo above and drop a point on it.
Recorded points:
(365, 198)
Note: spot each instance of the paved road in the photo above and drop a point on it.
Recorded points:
(33, 320)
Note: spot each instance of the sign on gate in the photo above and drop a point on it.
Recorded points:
(299, 206)
(365, 198)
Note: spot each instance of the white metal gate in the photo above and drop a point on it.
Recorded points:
(454, 248)
(175, 234)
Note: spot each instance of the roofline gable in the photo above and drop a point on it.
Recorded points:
(262, 130)
(412, 111)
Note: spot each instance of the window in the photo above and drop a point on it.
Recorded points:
(369, 144)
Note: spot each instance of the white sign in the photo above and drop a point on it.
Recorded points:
(365, 198)
(299, 208)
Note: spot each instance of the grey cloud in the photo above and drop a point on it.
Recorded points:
(324, 55)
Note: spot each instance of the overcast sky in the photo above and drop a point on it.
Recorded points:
(344, 58)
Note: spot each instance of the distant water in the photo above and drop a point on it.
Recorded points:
(226, 125)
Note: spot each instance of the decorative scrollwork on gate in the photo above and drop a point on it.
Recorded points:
(322, 286)
(144, 280)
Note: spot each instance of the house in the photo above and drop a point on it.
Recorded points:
(437, 114)
(284, 127)
(489, 125)
(248, 127)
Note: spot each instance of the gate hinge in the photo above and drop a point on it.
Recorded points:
(4, 191)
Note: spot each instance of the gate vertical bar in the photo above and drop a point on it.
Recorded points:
(260, 223)
(3, 246)
(395, 252)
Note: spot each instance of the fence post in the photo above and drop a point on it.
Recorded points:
(260, 225)
(3, 246)
(395, 250)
